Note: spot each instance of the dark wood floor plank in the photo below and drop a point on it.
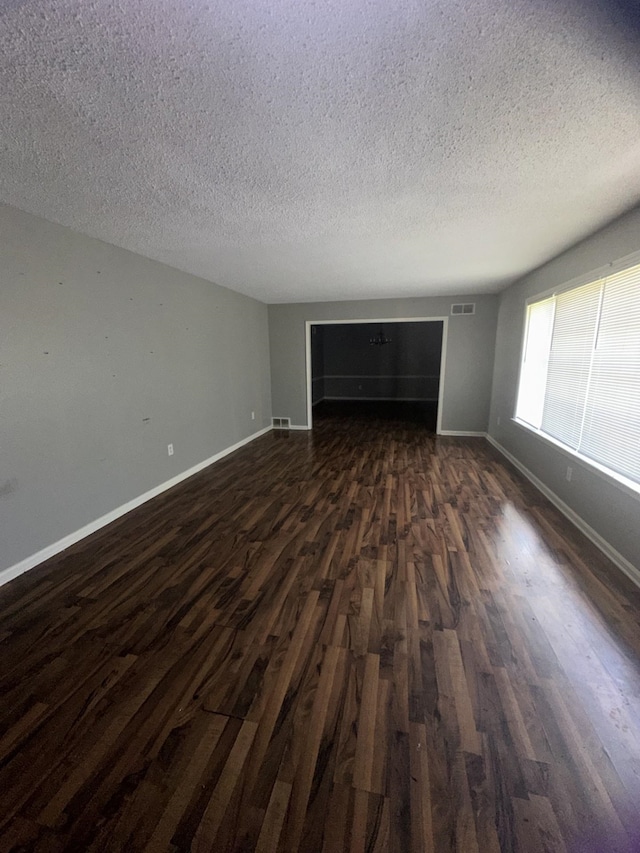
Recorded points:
(365, 638)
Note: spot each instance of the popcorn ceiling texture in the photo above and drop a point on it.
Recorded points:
(299, 150)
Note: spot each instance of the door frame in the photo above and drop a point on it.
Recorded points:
(376, 320)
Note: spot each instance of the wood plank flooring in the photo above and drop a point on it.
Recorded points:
(364, 638)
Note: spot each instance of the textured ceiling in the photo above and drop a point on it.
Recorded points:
(300, 150)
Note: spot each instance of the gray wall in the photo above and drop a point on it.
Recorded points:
(469, 354)
(105, 358)
(406, 368)
(610, 511)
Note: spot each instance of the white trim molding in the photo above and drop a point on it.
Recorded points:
(382, 400)
(308, 324)
(607, 549)
(378, 376)
(462, 433)
(62, 544)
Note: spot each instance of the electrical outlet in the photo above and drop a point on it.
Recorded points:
(170, 449)
(253, 416)
(569, 473)
(498, 421)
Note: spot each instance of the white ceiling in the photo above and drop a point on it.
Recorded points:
(299, 150)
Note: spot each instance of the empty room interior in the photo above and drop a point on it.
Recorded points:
(320, 426)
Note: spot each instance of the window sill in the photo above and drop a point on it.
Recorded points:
(618, 480)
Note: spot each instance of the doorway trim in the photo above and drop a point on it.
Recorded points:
(376, 320)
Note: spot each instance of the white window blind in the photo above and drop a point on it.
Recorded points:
(574, 332)
(611, 433)
(580, 373)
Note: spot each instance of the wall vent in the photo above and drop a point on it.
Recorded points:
(281, 423)
(463, 308)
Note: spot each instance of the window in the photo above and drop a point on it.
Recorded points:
(580, 372)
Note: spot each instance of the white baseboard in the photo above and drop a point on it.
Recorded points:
(51, 550)
(299, 426)
(462, 433)
(607, 549)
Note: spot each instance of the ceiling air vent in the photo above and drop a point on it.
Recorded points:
(464, 308)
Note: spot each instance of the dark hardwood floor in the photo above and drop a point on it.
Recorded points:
(362, 638)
